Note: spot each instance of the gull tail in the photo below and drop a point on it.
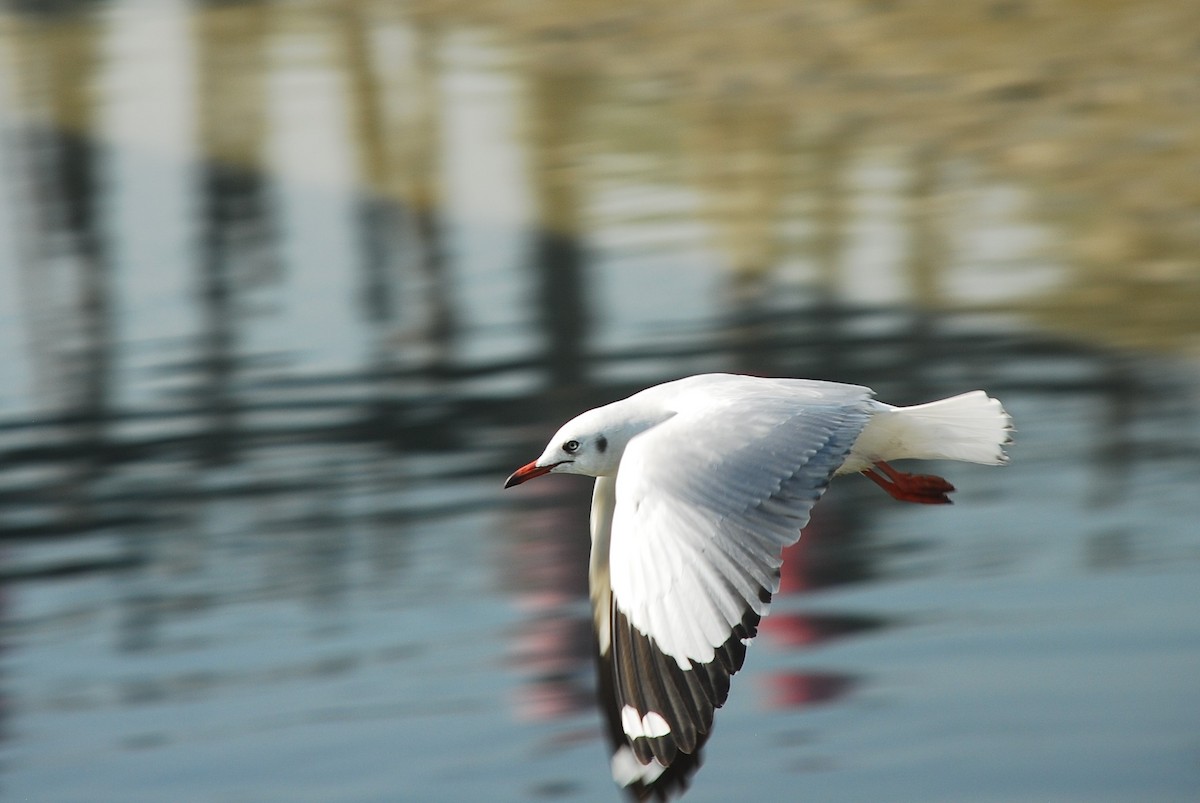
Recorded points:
(972, 427)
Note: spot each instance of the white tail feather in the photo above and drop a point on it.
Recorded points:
(972, 427)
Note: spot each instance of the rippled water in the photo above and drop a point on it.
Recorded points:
(286, 290)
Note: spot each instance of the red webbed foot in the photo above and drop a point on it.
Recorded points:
(924, 489)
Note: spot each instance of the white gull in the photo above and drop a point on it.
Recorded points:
(700, 484)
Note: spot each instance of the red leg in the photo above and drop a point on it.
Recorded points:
(925, 489)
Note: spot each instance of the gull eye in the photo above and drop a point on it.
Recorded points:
(571, 447)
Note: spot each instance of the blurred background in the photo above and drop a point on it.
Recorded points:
(288, 288)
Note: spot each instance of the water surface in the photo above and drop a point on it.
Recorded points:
(286, 291)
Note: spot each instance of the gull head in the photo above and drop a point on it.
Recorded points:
(590, 444)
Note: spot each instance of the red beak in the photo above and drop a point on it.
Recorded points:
(526, 472)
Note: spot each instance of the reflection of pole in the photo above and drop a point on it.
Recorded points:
(95, 303)
(217, 338)
(395, 157)
(831, 155)
(375, 168)
(737, 160)
(235, 209)
(926, 265)
(66, 232)
(1114, 435)
(76, 198)
(553, 641)
(426, 197)
(556, 101)
(377, 213)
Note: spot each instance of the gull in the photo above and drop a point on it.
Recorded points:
(700, 484)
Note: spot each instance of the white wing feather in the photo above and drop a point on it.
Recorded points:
(706, 501)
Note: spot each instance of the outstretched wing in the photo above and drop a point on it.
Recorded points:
(704, 504)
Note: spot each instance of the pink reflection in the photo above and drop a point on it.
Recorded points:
(802, 689)
(552, 697)
(792, 629)
(544, 572)
(812, 562)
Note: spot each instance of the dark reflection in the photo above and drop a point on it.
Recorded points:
(1116, 437)
(801, 630)
(831, 161)
(65, 245)
(238, 236)
(558, 252)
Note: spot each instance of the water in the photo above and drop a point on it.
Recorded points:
(287, 290)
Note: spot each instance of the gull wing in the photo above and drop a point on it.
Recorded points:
(704, 504)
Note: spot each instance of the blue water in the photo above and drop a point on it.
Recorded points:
(255, 416)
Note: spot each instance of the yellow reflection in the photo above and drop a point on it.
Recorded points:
(1088, 107)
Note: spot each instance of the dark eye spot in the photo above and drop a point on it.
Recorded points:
(602, 443)
(571, 447)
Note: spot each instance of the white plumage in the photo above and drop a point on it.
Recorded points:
(971, 427)
(700, 484)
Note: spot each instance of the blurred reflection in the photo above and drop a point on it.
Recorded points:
(826, 190)
(557, 100)
(803, 689)
(237, 239)
(66, 268)
(801, 630)
(737, 154)
(545, 574)
(392, 70)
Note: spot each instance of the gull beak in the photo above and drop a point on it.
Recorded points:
(527, 472)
